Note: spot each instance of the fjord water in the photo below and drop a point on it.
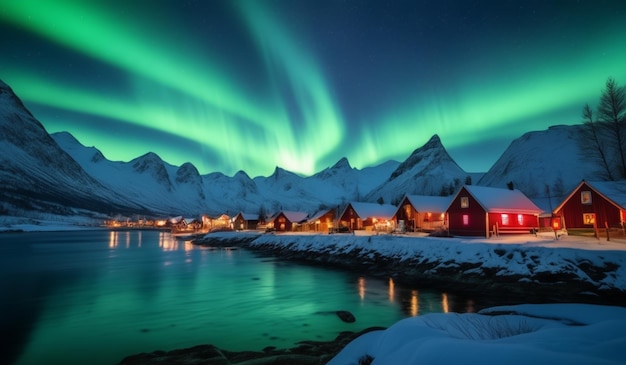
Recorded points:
(97, 296)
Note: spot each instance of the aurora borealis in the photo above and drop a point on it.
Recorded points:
(250, 85)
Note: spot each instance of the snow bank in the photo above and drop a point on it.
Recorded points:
(538, 334)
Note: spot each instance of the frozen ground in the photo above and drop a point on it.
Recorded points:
(535, 334)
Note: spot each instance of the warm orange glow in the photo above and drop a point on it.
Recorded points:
(362, 288)
(167, 242)
(556, 223)
(127, 239)
(391, 290)
(112, 239)
(444, 302)
(414, 303)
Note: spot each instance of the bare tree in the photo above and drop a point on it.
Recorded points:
(612, 113)
(592, 138)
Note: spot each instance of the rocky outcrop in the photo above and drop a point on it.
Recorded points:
(305, 353)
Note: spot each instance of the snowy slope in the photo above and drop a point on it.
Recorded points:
(551, 158)
(37, 175)
(147, 180)
(429, 170)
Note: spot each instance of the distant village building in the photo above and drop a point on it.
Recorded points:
(245, 221)
(287, 221)
(485, 211)
(368, 216)
(322, 221)
(422, 213)
(594, 205)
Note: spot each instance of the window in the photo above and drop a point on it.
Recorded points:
(464, 202)
(589, 218)
(520, 219)
(465, 219)
(505, 219)
(585, 197)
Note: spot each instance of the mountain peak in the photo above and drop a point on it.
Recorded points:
(431, 152)
(342, 164)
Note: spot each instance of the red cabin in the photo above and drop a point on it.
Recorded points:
(592, 205)
(485, 211)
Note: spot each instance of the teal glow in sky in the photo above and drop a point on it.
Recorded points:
(250, 85)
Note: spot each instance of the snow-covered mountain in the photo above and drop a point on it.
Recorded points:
(165, 189)
(56, 173)
(539, 160)
(429, 170)
(37, 175)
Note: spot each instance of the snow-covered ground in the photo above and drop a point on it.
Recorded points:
(523, 258)
(525, 334)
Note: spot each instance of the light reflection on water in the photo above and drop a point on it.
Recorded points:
(98, 296)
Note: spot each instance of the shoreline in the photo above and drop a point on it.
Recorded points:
(514, 269)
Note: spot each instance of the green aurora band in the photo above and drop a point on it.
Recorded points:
(176, 91)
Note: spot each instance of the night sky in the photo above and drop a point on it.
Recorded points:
(250, 85)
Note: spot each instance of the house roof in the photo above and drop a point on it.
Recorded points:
(613, 191)
(424, 203)
(294, 217)
(318, 215)
(497, 200)
(249, 216)
(373, 210)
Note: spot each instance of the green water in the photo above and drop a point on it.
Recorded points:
(94, 297)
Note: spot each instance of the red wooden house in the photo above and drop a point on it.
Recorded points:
(592, 205)
(483, 211)
(368, 216)
(422, 213)
(287, 221)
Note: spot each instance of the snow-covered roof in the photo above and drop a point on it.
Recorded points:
(424, 203)
(373, 210)
(497, 200)
(249, 216)
(295, 217)
(615, 191)
(318, 215)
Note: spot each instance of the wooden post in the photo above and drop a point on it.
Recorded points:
(606, 225)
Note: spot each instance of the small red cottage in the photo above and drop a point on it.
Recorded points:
(593, 205)
(287, 221)
(422, 213)
(368, 216)
(483, 211)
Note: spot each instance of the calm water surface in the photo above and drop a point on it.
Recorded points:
(97, 296)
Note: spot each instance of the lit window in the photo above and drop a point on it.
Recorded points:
(585, 197)
(505, 219)
(520, 219)
(464, 202)
(589, 218)
(465, 219)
